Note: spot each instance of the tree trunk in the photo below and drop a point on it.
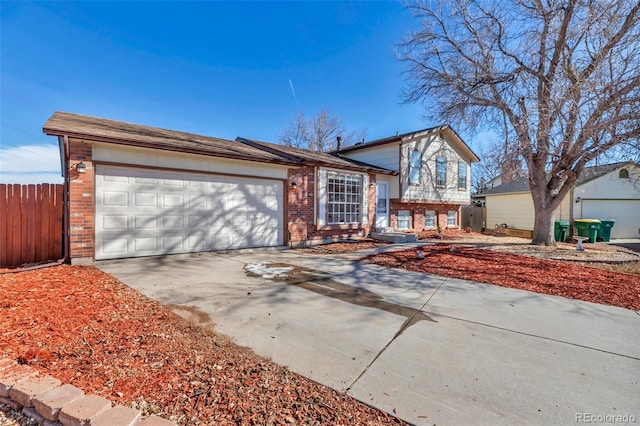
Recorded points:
(543, 221)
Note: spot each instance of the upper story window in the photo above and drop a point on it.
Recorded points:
(462, 175)
(623, 174)
(344, 198)
(441, 171)
(415, 161)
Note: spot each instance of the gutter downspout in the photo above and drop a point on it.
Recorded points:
(64, 158)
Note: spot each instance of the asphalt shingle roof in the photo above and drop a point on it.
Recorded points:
(111, 131)
(521, 184)
(314, 157)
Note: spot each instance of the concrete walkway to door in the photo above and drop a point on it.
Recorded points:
(426, 348)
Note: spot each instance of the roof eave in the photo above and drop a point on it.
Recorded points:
(126, 142)
(393, 139)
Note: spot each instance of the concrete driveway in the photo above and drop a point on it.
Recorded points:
(429, 349)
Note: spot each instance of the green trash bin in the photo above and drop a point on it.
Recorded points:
(561, 230)
(588, 228)
(605, 229)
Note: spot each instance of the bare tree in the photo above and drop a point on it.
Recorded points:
(319, 133)
(560, 77)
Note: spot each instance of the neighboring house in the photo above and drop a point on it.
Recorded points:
(135, 190)
(610, 191)
(431, 182)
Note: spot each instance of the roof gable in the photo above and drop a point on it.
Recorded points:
(398, 139)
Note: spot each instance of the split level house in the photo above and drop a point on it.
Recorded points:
(133, 190)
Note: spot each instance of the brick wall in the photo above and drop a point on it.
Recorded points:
(45, 400)
(302, 205)
(417, 214)
(81, 202)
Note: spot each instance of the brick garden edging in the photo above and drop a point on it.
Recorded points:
(50, 403)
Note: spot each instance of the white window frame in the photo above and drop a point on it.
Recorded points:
(415, 163)
(452, 214)
(441, 183)
(462, 178)
(404, 213)
(430, 214)
(342, 198)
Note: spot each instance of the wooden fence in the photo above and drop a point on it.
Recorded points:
(474, 217)
(31, 223)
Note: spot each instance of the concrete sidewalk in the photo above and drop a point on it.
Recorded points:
(428, 349)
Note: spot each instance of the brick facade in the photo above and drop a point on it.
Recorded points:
(301, 210)
(81, 202)
(417, 215)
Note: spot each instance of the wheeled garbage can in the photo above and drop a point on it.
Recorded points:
(561, 230)
(605, 229)
(588, 228)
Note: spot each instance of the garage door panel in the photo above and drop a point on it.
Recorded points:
(626, 214)
(172, 200)
(146, 180)
(145, 222)
(172, 244)
(145, 199)
(173, 182)
(197, 201)
(183, 212)
(145, 244)
(115, 222)
(114, 246)
(172, 222)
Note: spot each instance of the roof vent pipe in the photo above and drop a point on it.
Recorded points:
(338, 139)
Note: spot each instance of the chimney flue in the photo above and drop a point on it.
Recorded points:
(338, 139)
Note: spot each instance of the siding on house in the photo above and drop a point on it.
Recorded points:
(122, 154)
(385, 156)
(432, 147)
(516, 210)
(609, 187)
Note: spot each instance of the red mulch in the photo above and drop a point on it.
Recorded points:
(521, 272)
(86, 328)
(342, 247)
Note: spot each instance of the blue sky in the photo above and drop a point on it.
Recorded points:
(214, 68)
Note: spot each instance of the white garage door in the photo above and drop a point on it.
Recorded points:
(626, 213)
(143, 212)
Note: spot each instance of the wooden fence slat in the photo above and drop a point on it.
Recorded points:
(58, 219)
(46, 218)
(9, 228)
(16, 241)
(23, 223)
(31, 225)
(52, 223)
(38, 231)
(4, 246)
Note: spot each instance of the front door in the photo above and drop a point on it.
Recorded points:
(382, 204)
